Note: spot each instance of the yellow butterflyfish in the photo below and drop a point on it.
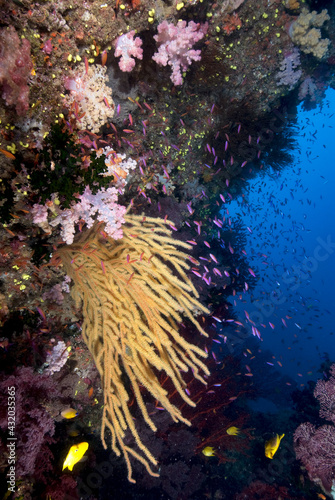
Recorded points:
(76, 453)
(209, 451)
(233, 431)
(272, 445)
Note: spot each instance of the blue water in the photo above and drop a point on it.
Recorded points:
(291, 217)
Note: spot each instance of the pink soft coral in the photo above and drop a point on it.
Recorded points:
(175, 46)
(128, 47)
(103, 206)
(15, 68)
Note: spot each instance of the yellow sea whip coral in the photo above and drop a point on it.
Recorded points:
(134, 292)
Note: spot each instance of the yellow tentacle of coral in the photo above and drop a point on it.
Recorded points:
(134, 293)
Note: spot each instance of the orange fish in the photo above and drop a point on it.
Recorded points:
(104, 57)
(8, 154)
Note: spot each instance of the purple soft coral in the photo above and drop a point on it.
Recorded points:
(289, 74)
(325, 393)
(34, 426)
(175, 46)
(315, 447)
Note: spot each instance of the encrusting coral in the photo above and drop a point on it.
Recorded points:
(134, 292)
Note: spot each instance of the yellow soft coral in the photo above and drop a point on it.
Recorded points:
(306, 34)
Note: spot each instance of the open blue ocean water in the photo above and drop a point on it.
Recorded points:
(291, 249)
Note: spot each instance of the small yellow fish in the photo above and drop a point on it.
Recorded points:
(76, 453)
(69, 413)
(272, 445)
(209, 451)
(233, 431)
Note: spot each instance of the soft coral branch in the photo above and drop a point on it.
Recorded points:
(15, 68)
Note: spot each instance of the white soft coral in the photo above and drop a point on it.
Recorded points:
(90, 98)
(118, 166)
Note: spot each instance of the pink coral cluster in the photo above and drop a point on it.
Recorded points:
(15, 68)
(103, 205)
(175, 46)
(55, 294)
(57, 358)
(128, 47)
